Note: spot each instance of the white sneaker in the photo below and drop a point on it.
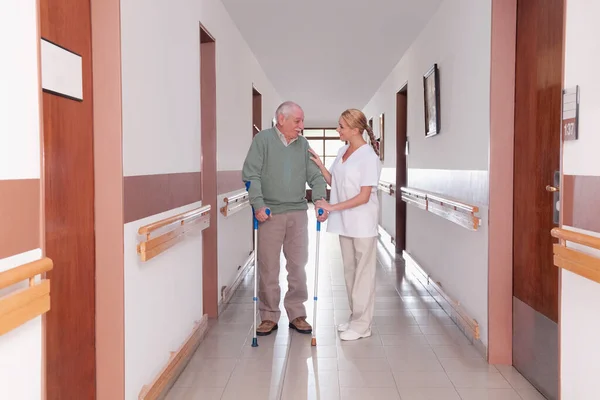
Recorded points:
(343, 327)
(351, 335)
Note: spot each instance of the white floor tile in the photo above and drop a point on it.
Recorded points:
(428, 394)
(488, 394)
(415, 351)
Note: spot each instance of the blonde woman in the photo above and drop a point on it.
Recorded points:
(353, 215)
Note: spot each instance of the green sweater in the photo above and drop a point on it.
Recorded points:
(278, 174)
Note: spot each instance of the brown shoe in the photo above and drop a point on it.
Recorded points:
(265, 328)
(301, 325)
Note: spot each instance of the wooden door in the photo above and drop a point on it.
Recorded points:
(537, 159)
(69, 212)
(401, 166)
(256, 111)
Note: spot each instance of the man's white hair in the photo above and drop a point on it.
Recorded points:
(286, 109)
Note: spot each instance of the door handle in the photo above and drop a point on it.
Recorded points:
(552, 189)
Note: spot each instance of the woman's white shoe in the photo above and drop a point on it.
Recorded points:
(351, 335)
(343, 327)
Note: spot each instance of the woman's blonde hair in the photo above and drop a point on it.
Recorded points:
(357, 119)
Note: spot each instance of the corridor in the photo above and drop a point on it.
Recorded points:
(415, 353)
(126, 132)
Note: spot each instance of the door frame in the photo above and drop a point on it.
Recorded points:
(500, 181)
(208, 151)
(401, 166)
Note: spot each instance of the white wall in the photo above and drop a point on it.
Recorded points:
(20, 349)
(387, 210)
(19, 107)
(161, 134)
(580, 350)
(235, 242)
(458, 39)
(161, 86)
(581, 52)
(163, 299)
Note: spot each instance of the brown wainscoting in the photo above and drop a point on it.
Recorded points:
(146, 195)
(228, 181)
(581, 195)
(470, 186)
(19, 216)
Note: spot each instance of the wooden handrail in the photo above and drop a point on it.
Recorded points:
(25, 271)
(460, 213)
(179, 218)
(180, 224)
(235, 203)
(573, 260)
(24, 304)
(576, 237)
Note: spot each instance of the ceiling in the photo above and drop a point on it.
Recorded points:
(329, 55)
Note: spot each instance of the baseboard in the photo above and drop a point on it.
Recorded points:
(228, 291)
(467, 325)
(161, 385)
(387, 241)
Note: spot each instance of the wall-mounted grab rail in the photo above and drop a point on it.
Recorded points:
(25, 304)
(171, 231)
(573, 260)
(235, 203)
(387, 187)
(462, 214)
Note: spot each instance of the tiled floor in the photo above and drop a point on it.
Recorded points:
(415, 352)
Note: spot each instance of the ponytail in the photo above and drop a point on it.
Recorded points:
(372, 137)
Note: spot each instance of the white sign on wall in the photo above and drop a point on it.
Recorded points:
(61, 71)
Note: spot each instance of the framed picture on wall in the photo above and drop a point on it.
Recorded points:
(431, 87)
(380, 140)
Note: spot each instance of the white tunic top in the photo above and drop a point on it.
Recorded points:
(362, 168)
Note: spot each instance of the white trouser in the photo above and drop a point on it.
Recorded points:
(359, 256)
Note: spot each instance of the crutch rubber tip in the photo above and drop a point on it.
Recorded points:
(313, 342)
(254, 342)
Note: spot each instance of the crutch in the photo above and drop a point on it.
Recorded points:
(313, 342)
(255, 297)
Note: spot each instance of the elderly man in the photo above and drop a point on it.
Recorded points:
(278, 166)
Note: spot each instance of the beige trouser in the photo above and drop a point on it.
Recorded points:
(289, 230)
(359, 258)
